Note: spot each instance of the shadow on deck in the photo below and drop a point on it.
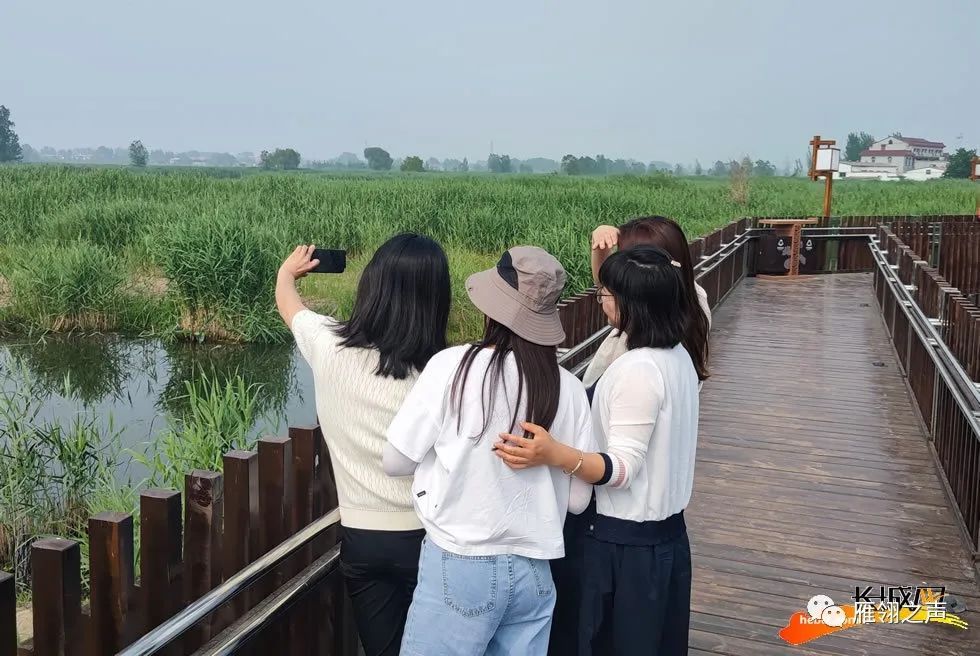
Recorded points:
(814, 476)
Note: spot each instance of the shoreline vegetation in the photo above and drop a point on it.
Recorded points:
(192, 254)
(55, 474)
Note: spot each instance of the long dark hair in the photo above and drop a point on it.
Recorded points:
(538, 377)
(654, 310)
(666, 234)
(402, 305)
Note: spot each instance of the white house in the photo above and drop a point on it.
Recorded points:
(867, 171)
(925, 174)
(906, 153)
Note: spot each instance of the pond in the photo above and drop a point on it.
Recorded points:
(135, 386)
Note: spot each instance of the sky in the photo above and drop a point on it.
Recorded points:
(644, 79)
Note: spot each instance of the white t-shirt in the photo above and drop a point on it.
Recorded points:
(470, 502)
(645, 413)
(356, 406)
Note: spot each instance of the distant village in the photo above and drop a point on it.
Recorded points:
(898, 158)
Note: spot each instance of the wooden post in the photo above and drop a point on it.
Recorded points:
(8, 615)
(276, 491)
(111, 574)
(241, 534)
(303, 638)
(161, 561)
(203, 513)
(56, 586)
(828, 194)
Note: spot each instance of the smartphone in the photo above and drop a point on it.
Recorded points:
(331, 261)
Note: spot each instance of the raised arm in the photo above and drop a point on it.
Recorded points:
(297, 265)
(604, 240)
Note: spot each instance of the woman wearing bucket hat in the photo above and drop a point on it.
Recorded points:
(484, 581)
(636, 568)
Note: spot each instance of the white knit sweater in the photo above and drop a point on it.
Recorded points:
(355, 407)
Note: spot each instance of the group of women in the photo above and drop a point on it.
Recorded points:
(490, 501)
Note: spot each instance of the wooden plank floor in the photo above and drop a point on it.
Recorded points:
(813, 476)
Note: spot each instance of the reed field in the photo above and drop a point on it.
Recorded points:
(191, 254)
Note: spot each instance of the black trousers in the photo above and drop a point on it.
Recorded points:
(567, 574)
(636, 598)
(380, 570)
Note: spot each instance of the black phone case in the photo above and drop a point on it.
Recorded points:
(331, 261)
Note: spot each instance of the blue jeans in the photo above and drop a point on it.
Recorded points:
(473, 605)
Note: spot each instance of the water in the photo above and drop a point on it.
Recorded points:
(134, 385)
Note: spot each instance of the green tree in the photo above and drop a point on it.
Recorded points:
(697, 168)
(413, 163)
(638, 168)
(569, 165)
(378, 159)
(679, 170)
(720, 169)
(138, 154)
(857, 142)
(959, 163)
(465, 166)
(10, 150)
(763, 168)
(499, 163)
(282, 158)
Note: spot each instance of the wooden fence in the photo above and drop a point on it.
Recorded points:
(953, 247)
(955, 441)
(189, 545)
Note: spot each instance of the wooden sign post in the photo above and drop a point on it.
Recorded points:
(975, 175)
(824, 162)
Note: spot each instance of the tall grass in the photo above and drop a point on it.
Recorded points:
(215, 239)
(49, 472)
(55, 475)
(66, 286)
(220, 416)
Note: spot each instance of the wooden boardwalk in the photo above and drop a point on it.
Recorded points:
(813, 476)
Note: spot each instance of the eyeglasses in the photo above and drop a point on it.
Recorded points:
(599, 295)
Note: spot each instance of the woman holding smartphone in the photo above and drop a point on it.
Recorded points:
(363, 369)
(635, 573)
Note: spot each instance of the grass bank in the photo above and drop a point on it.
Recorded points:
(192, 254)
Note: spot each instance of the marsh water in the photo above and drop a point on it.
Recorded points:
(136, 386)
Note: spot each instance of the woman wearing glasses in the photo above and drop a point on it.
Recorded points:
(634, 573)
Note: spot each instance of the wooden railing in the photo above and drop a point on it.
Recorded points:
(188, 546)
(936, 334)
(953, 247)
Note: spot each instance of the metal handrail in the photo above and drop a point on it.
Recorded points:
(961, 387)
(183, 621)
(240, 633)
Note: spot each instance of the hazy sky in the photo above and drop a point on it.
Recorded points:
(627, 78)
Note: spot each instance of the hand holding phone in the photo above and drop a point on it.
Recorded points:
(330, 261)
(309, 259)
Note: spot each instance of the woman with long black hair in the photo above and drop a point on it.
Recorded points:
(635, 572)
(363, 369)
(484, 581)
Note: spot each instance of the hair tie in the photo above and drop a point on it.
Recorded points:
(676, 263)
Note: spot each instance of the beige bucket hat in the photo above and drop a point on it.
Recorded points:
(522, 293)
